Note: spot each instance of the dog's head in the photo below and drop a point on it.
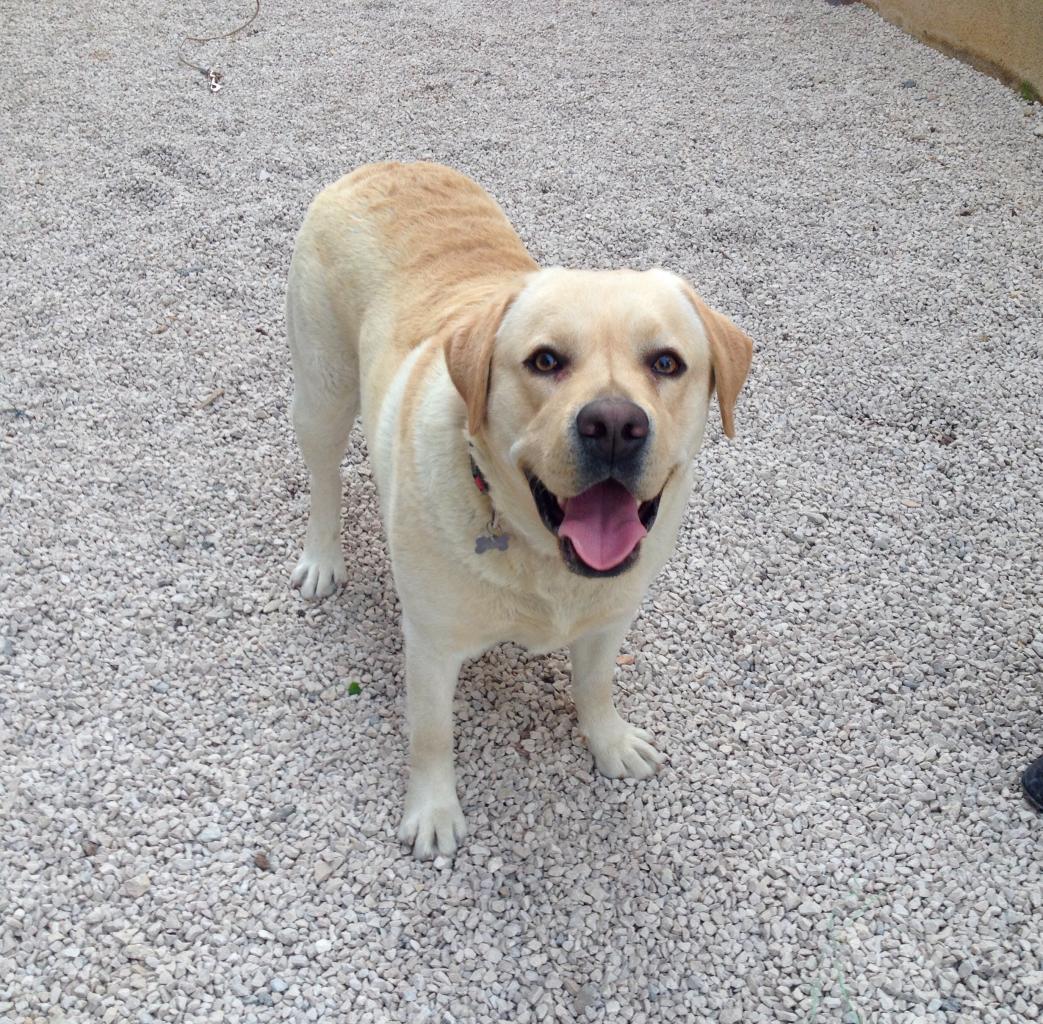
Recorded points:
(593, 388)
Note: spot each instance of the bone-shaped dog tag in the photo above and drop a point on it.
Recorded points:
(487, 542)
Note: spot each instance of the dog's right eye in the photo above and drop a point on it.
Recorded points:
(544, 361)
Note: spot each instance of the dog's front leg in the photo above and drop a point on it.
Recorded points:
(620, 749)
(433, 822)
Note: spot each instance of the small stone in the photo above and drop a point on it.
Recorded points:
(596, 891)
(323, 946)
(278, 985)
(324, 868)
(587, 996)
(210, 834)
(261, 860)
(137, 886)
(90, 847)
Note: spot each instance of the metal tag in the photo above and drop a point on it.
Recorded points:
(490, 542)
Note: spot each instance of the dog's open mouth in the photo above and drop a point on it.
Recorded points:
(599, 531)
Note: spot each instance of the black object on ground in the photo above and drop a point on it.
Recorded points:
(1032, 783)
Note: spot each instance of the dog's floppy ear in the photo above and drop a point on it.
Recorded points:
(469, 352)
(731, 351)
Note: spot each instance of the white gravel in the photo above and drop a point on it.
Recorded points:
(843, 660)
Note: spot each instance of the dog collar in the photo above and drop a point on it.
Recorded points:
(492, 538)
(478, 477)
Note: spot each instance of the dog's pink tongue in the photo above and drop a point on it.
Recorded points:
(602, 524)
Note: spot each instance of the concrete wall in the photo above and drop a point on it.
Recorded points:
(1002, 37)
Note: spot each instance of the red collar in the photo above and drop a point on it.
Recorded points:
(479, 480)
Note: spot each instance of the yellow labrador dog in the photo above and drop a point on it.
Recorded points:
(532, 433)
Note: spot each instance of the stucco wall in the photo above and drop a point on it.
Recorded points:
(1004, 37)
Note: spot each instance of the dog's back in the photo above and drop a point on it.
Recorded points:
(420, 239)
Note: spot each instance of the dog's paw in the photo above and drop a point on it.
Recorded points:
(433, 823)
(319, 572)
(622, 751)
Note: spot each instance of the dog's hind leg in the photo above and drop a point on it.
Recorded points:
(325, 403)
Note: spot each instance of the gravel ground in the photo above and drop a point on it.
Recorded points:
(843, 660)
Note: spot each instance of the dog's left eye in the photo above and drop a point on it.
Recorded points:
(544, 361)
(666, 364)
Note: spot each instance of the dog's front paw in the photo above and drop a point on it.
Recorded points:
(319, 572)
(622, 751)
(433, 822)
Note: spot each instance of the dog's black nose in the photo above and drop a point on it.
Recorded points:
(613, 430)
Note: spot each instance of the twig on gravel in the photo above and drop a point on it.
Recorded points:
(211, 398)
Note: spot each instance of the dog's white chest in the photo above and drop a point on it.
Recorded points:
(547, 621)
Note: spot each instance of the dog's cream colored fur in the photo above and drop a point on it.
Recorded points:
(413, 302)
